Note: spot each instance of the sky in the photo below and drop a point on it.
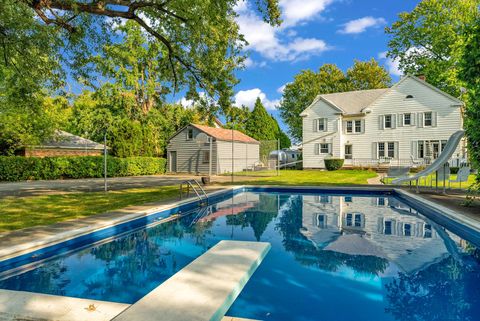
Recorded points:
(314, 32)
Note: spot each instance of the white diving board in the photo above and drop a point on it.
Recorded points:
(205, 289)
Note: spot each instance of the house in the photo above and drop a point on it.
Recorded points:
(64, 144)
(186, 154)
(409, 122)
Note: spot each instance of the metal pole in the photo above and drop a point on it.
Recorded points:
(210, 160)
(278, 157)
(233, 167)
(105, 161)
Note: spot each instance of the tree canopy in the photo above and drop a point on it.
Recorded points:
(306, 85)
(430, 40)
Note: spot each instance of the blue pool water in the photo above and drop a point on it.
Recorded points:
(333, 257)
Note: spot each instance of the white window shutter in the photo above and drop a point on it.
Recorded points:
(335, 125)
(330, 148)
(344, 127)
(363, 126)
(381, 122)
(434, 119)
(414, 151)
(325, 124)
(315, 125)
(317, 149)
(396, 152)
(400, 120)
(374, 151)
(420, 119)
(413, 119)
(394, 121)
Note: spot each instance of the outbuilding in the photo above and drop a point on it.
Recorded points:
(199, 149)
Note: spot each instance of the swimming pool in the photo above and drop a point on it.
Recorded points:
(336, 255)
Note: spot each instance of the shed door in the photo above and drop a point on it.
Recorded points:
(173, 161)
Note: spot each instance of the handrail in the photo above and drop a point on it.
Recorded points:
(189, 184)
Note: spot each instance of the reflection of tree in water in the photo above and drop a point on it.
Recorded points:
(447, 290)
(48, 279)
(260, 216)
(142, 257)
(306, 253)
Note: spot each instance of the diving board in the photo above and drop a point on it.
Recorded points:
(205, 289)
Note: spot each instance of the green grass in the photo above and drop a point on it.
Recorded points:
(423, 182)
(21, 212)
(305, 177)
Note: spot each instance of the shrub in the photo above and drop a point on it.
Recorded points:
(332, 164)
(18, 168)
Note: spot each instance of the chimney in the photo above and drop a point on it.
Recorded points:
(422, 77)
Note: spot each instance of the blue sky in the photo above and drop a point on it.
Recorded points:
(314, 32)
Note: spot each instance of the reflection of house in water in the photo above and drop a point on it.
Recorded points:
(378, 226)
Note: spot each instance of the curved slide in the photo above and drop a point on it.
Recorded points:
(444, 157)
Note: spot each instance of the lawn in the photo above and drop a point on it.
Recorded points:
(22, 212)
(430, 181)
(305, 177)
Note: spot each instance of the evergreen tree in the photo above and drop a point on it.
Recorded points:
(260, 124)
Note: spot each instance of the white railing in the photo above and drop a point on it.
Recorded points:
(388, 162)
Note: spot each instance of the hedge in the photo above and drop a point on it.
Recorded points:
(332, 164)
(18, 168)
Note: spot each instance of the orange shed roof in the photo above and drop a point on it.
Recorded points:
(226, 134)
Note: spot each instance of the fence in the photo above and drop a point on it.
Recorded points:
(407, 162)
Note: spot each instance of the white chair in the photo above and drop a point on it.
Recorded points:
(415, 162)
(462, 176)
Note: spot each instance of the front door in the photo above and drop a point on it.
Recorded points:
(173, 162)
(348, 154)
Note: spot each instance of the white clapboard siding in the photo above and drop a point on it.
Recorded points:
(446, 119)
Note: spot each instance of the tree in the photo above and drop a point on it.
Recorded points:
(260, 124)
(470, 75)
(283, 138)
(430, 40)
(200, 40)
(368, 75)
(300, 93)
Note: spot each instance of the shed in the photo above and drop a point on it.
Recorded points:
(186, 155)
(64, 144)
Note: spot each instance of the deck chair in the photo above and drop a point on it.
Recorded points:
(462, 176)
(415, 162)
(395, 172)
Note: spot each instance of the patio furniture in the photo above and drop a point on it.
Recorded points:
(462, 175)
(395, 172)
(415, 162)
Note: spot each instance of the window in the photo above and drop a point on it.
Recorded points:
(386, 149)
(206, 157)
(324, 148)
(409, 97)
(427, 119)
(381, 201)
(293, 156)
(324, 199)
(321, 221)
(348, 152)
(354, 126)
(421, 149)
(407, 229)
(427, 231)
(388, 121)
(407, 119)
(321, 124)
(358, 220)
(358, 126)
(190, 134)
(349, 219)
(387, 228)
(348, 199)
(381, 150)
(349, 126)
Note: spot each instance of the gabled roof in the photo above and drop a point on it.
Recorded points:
(353, 102)
(225, 134)
(66, 140)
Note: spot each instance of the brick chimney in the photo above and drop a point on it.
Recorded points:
(422, 77)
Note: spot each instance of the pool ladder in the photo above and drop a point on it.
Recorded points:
(191, 183)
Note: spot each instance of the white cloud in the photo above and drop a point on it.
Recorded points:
(391, 64)
(360, 25)
(298, 11)
(189, 103)
(281, 89)
(250, 63)
(248, 98)
(271, 42)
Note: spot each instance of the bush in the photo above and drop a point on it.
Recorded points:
(332, 164)
(18, 168)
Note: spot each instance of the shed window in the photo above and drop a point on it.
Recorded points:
(206, 157)
(190, 134)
